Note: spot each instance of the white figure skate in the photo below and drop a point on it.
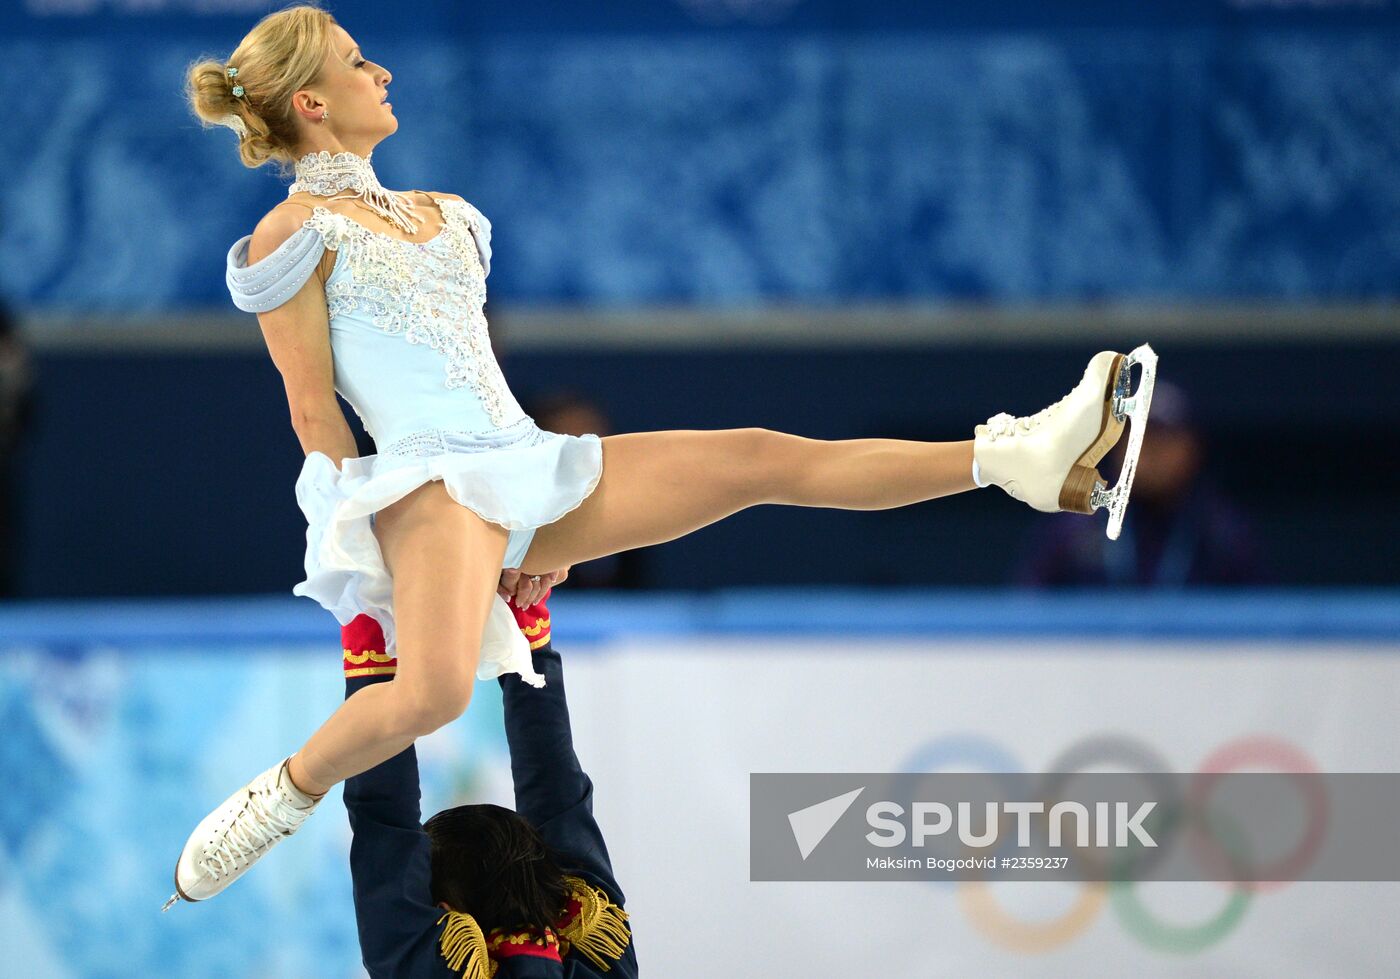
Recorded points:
(1048, 459)
(231, 838)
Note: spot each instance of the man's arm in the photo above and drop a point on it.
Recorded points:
(555, 795)
(552, 791)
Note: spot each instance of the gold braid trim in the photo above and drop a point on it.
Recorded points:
(464, 946)
(366, 656)
(600, 928)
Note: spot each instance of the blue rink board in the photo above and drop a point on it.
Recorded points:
(583, 617)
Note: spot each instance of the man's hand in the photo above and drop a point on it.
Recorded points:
(524, 589)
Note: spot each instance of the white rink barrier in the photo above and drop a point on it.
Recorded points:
(125, 722)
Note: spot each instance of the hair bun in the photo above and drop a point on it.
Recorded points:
(251, 90)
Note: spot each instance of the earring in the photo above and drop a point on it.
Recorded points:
(324, 114)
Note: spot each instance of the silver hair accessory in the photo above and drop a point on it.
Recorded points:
(236, 123)
(325, 174)
(237, 89)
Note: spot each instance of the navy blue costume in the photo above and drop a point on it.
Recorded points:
(403, 935)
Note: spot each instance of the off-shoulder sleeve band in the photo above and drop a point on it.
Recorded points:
(481, 231)
(475, 222)
(269, 283)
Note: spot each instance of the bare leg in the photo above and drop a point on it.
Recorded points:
(445, 561)
(657, 486)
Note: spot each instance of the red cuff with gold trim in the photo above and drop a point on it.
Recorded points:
(533, 621)
(362, 646)
(362, 641)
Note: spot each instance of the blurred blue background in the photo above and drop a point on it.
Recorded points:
(639, 151)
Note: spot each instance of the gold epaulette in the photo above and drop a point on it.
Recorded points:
(464, 946)
(598, 928)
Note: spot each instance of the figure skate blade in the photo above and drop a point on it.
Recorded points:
(1133, 406)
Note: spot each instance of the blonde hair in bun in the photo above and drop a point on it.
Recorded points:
(281, 55)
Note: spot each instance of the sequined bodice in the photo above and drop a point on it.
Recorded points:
(391, 302)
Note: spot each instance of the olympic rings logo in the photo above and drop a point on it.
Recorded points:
(1114, 752)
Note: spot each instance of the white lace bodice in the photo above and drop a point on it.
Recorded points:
(408, 334)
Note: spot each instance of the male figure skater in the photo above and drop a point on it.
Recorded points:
(481, 891)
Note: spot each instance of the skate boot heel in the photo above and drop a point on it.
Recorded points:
(1048, 460)
(1077, 494)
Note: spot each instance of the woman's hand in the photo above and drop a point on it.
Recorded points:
(525, 590)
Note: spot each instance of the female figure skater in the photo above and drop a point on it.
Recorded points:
(378, 295)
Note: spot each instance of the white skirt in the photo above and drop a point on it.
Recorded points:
(529, 483)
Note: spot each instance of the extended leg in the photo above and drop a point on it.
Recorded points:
(657, 486)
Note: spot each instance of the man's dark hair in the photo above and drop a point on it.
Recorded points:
(490, 863)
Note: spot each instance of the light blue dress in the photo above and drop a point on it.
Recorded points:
(413, 358)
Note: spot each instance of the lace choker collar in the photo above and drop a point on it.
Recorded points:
(324, 175)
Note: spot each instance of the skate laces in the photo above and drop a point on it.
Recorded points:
(265, 819)
(1006, 423)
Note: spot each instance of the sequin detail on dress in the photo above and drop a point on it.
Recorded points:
(431, 292)
(439, 441)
